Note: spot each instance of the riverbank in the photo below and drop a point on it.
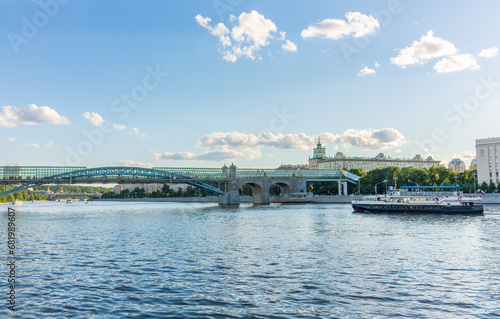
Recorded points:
(487, 199)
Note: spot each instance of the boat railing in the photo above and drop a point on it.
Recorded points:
(435, 194)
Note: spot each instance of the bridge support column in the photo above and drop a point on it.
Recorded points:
(345, 188)
(340, 188)
(232, 187)
(232, 196)
(299, 185)
(261, 195)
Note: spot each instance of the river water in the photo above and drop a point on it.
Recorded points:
(176, 260)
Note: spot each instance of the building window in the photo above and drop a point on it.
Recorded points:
(489, 148)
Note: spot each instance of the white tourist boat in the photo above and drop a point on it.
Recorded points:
(17, 202)
(421, 199)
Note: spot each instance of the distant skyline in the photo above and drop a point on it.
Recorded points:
(182, 83)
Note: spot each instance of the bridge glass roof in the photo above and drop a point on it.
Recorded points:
(34, 172)
(37, 172)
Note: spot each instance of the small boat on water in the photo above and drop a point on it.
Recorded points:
(421, 200)
(68, 201)
(17, 202)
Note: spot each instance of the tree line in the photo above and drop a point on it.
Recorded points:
(405, 176)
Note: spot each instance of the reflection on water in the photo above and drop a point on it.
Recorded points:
(168, 260)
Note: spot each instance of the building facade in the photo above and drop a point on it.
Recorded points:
(341, 161)
(318, 155)
(473, 164)
(457, 165)
(487, 159)
(148, 187)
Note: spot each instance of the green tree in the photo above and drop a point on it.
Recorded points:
(484, 186)
(491, 188)
(446, 182)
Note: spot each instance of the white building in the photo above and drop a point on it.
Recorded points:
(148, 187)
(340, 161)
(487, 159)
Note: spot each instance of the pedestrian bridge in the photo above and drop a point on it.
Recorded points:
(224, 181)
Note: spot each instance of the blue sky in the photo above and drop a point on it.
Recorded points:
(204, 83)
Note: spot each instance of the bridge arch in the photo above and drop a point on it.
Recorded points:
(113, 175)
(285, 188)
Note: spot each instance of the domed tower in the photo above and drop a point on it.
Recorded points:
(319, 154)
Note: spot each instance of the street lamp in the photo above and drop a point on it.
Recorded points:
(474, 176)
(384, 181)
(412, 182)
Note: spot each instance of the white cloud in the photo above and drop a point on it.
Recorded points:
(10, 138)
(119, 127)
(468, 155)
(235, 145)
(357, 24)
(428, 47)
(298, 141)
(289, 46)
(488, 53)
(222, 155)
(134, 163)
(366, 71)
(32, 145)
(238, 140)
(94, 118)
(254, 154)
(50, 144)
(377, 64)
(186, 156)
(456, 63)
(373, 139)
(250, 32)
(136, 131)
(31, 114)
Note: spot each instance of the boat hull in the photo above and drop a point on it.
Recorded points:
(418, 209)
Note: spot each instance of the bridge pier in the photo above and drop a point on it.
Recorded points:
(232, 196)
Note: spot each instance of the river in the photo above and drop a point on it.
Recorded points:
(188, 260)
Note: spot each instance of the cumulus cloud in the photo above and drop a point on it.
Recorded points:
(488, 53)
(186, 156)
(236, 145)
(357, 25)
(289, 46)
(232, 140)
(31, 114)
(222, 155)
(419, 52)
(134, 163)
(456, 62)
(10, 138)
(366, 71)
(468, 155)
(249, 33)
(136, 131)
(119, 127)
(32, 145)
(50, 144)
(94, 118)
(373, 139)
